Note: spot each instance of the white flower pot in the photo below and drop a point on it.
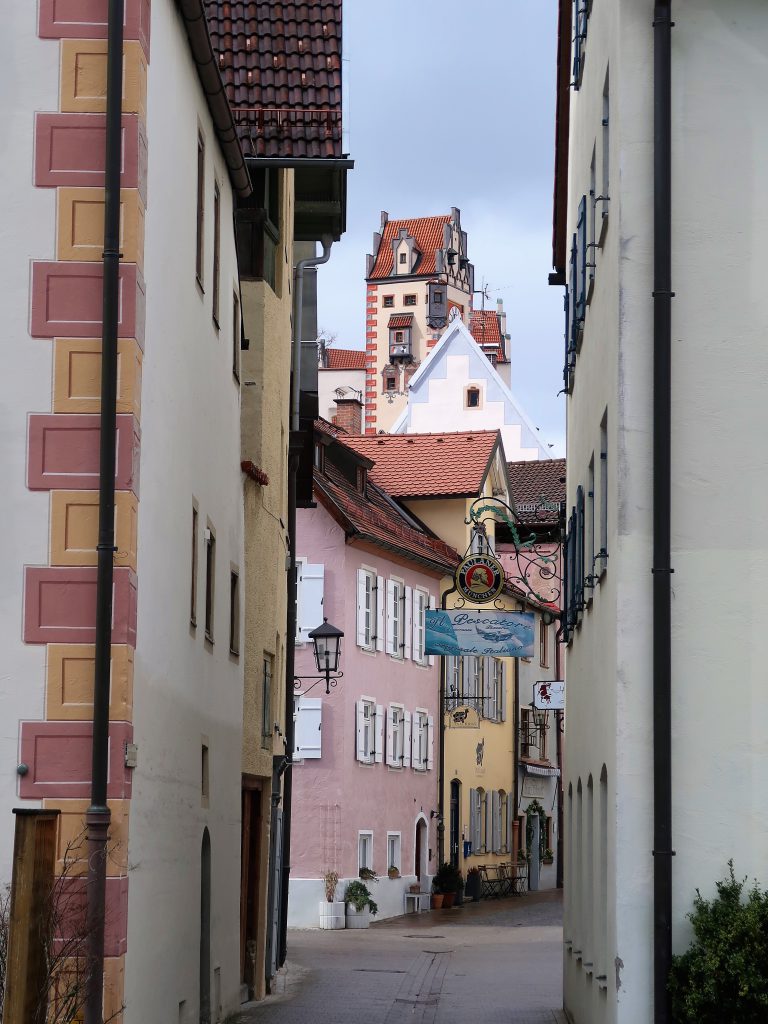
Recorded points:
(358, 918)
(331, 915)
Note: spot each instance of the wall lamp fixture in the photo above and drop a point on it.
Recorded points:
(326, 641)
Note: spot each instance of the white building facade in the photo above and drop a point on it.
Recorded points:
(604, 253)
(177, 681)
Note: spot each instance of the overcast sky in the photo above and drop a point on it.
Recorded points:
(451, 103)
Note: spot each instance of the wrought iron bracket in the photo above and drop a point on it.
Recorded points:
(329, 680)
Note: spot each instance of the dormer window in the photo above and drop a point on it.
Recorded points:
(319, 457)
(403, 258)
(362, 479)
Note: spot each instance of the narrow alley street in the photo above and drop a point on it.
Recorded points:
(496, 961)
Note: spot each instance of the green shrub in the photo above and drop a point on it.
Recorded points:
(447, 879)
(723, 976)
(358, 895)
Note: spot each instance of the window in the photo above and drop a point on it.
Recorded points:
(605, 185)
(403, 258)
(370, 731)
(423, 740)
(398, 337)
(503, 826)
(307, 727)
(367, 591)
(589, 527)
(527, 733)
(266, 698)
(497, 704)
(581, 11)
(210, 570)
(364, 851)
(395, 595)
(310, 584)
(236, 332)
(409, 300)
(420, 604)
(476, 668)
(437, 298)
(472, 398)
(205, 782)
(397, 741)
(216, 251)
(391, 383)
(193, 585)
(388, 301)
(543, 644)
(591, 260)
(319, 457)
(200, 209)
(234, 613)
(601, 560)
(476, 829)
(393, 850)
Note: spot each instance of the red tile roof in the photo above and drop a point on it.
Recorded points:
(485, 328)
(428, 465)
(536, 487)
(428, 234)
(281, 66)
(344, 359)
(372, 517)
(400, 320)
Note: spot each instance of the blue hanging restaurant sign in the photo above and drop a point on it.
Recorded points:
(480, 631)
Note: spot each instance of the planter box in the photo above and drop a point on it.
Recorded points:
(331, 915)
(358, 918)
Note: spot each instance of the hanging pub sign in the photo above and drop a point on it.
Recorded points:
(458, 631)
(549, 695)
(462, 716)
(480, 579)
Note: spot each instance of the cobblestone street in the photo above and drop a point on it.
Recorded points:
(498, 961)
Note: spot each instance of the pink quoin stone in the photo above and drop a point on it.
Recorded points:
(58, 755)
(64, 452)
(87, 19)
(69, 150)
(60, 605)
(67, 301)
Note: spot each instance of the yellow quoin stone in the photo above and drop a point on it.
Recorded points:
(84, 77)
(69, 683)
(74, 527)
(77, 375)
(71, 844)
(80, 220)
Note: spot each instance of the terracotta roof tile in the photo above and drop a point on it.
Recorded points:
(400, 320)
(281, 66)
(376, 519)
(428, 465)
(344, 359)
(485, 328)
(428, 235)
(533, 483)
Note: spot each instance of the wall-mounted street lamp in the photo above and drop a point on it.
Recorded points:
(326, 641)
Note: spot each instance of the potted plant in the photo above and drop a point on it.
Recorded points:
(459, 900)
(548, 857)
(393, 872)
(331, 909)
(437, 898)
(474, 886)
(360, 905)
(446, 881)
(367, 875)
(522, 857)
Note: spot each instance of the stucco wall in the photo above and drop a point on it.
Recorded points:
(187, 691)
(336, 796)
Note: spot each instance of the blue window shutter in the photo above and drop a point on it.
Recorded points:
(581, 258)
(579, 555)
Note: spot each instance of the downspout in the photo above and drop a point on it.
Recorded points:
(441, 757)
(98, 815)
(290, 653)
(662, 570)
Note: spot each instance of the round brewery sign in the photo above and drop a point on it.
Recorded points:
(480, 579)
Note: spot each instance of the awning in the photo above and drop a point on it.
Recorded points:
(400, 320)
(532, 769)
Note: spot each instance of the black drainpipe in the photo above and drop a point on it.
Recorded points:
(441, 760)
(97, 816)
(662, 570)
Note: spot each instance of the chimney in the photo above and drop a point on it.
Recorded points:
(502, 316)
(349, 415)
(384, 219)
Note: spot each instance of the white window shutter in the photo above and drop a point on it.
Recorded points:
(430, 741)
(417, 620)
(311, 580)
(407, 629)
(488, 823)
(503, 691)
(391, 638)
(391, 712)
(380, 606)
(415, 758)
(360, 725)
(362, 583)
(470, 686)
(379, 734)
(473, 818)
(406, 739)
(486, 694)
(307, 728)
(432, 607)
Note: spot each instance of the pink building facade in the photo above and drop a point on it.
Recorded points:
(366, 758)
